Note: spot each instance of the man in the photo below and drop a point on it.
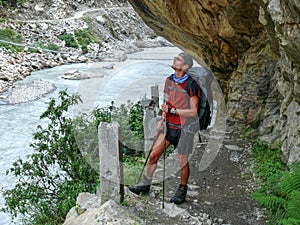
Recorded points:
(180, 105)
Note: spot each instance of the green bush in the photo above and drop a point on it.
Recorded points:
(69, 40)
(13, 3)
(84, 38)
(50, 46)
(52, 177)
(130, 119)
(267, 161)
(281, 197)
(66, 159)
(10, 35)
(279, 192)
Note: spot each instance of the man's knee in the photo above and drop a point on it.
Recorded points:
(183, 160)
(153, 158)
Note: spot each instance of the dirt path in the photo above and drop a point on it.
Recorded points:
(76, 15)
(221, 194)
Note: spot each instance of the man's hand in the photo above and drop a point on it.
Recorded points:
(165, 107)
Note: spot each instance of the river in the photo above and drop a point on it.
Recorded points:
(129, 80)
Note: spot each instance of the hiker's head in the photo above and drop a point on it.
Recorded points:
(182, 62)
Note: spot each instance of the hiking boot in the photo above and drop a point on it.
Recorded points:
(142, 187)
(180, 194)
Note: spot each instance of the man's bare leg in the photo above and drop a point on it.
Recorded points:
(156, 153)
(158, 148)
(180, 194)
(185, 169)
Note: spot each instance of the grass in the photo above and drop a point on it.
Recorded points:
(132, 168)
(267, 161)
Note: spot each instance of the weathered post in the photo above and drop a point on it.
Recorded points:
(111, 169)
(150, 117)
(155, 96)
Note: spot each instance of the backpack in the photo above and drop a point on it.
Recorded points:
(204, 79)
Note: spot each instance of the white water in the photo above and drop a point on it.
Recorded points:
(129, 80)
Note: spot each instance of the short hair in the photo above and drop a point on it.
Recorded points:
(187, 59)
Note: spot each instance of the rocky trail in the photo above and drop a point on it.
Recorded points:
(221, 194)
(77, 15)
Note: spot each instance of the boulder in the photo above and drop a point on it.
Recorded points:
(89, 211)
(74, 75)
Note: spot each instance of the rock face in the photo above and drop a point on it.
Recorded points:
(88, 210)
(253, 49)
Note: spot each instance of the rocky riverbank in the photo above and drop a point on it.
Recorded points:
(119, 34)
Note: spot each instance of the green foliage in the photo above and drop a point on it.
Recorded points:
(52, 177)
(10, 35)
(52, 46)
(132, 168)
(267, 161)
(280, 189)
(39, 45)
(12, 3)
(65, 160)
(283, 203)
(84, 38)
(69, 40)
(290, 221)
(130, 119)
(81, 37)
(88, 21)
(111, 25)
(292, 180)
(136, 114)
(270, 201)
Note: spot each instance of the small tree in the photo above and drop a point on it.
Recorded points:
(53, 176)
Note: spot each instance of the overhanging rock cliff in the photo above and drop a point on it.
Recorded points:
(253, 49)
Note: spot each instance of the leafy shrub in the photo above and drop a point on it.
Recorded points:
(12, 3)
(280, 189)
(53, 176)
(283, 201)
(69, 40)
(84, 38)
(50, 46)
(10, 35)
(130, 119)
(66, 159)
(267, 161)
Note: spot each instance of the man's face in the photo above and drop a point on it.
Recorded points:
(178, 63)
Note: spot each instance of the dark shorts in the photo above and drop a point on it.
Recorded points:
(181, 139)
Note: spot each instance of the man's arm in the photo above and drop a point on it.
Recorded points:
(192, 112)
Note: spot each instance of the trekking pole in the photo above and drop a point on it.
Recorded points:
(164, 169)
(148, 156)
(200, 140)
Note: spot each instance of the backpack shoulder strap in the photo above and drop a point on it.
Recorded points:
(188, 85)
(169, 85)
(169, 80)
